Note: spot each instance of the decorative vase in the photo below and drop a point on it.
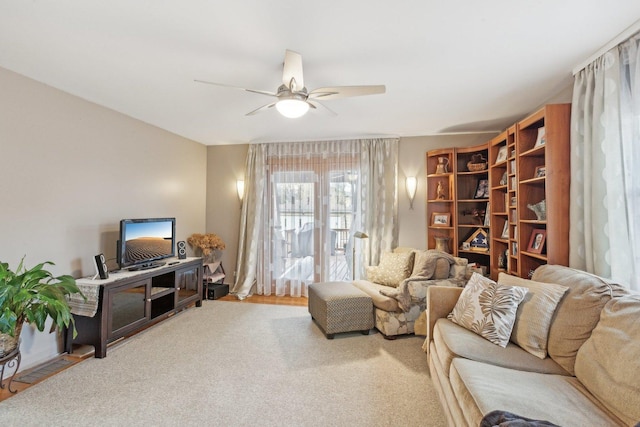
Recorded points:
(442, 166)
(442, 244)
(8, 343)
(540, 209)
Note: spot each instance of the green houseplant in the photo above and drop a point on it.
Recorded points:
(32, 296)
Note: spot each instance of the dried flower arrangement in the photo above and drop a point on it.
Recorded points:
(206, 243)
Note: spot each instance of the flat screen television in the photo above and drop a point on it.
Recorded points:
(145, 242)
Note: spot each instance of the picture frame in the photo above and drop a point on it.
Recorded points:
(502, 154)
(540, 172)
(440, 219)
(541, 139)
(482, 189)
(487, 215)
(537, 240)
(505, 231)
(466, 246)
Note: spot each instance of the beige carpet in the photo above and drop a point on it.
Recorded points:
(234, 364)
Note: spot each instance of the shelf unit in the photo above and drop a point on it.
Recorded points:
(469, 185)
(441, 203)
(516, 183)
(525, 187)
(552, 186)
(504, 196)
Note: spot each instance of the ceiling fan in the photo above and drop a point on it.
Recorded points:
(293, 98)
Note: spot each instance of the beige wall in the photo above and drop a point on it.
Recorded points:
(70, 170)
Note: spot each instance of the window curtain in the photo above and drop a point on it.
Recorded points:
(379, 163)
(250, 225)
(304, 203)
(605, 180)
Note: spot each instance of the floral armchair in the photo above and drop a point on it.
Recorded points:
(398, 287)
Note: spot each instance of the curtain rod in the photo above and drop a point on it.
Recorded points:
(346, 138)
(631, 30)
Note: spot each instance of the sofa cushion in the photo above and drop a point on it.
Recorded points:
(392, 269)
(608, 363)
(559, 399)
(488, 309)
(373, 290)
(533, 319)
(451, 341)
(578, 312)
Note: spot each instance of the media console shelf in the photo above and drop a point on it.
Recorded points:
(131, 300)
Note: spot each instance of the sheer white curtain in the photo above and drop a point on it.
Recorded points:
(304, 202)
(605, 154)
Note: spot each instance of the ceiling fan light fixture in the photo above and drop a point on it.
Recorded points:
(292, 108)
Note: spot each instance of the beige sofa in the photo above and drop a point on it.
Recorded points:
(590, 376)
(398, 287)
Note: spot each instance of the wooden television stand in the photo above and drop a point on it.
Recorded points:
(132, 300)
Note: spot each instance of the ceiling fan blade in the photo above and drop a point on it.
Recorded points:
(337, 92)
(261, 92)
(315, 104)
(258, 110)
(292, 70)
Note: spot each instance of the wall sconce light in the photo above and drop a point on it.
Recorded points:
(412, 186)
(240, 189)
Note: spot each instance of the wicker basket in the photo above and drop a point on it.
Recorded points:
(476, 167)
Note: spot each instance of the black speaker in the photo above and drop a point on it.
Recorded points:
(182, 249)
(101, 266)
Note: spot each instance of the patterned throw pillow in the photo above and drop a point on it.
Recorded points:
(392, 269)
(488, 309)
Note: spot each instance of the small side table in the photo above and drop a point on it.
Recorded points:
(11, 360)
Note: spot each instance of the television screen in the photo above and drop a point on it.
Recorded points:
(143, 241)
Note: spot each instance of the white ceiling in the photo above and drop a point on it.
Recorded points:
(457, 65)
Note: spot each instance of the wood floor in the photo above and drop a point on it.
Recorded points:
(255, 299)
(271, 299)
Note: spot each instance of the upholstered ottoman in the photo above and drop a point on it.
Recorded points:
(340, 307)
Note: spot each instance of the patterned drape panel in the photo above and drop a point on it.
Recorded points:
(296, 226)
(605, 186)
(379, 163)
(250, 225)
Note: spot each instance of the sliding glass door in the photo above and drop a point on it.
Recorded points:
(312, 214)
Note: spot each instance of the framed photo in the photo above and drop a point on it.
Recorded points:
(502, 154)
(487, 215)
(505, 230)
(440, 219)
(540, 172)
(482, 189)
(466, 246)
(536, 241)
(541, 139)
